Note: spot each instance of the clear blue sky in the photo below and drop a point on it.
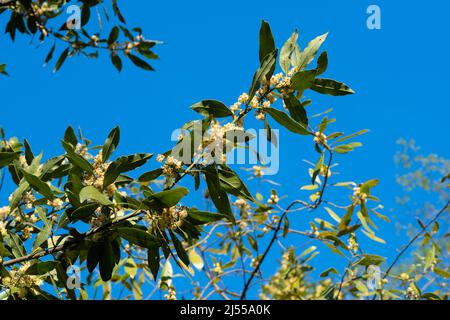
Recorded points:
(399, 74)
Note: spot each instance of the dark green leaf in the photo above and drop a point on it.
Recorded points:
(92, 193)
(111, 143)
(331, 87)
(124, 164)
(212, 108)
(287, 122)
(138, 237)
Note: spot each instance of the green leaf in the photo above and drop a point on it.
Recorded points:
(366, 186)
(140, 63)
(218, 196)
(317, 168)
(92, 193)
(232, 184)
(70, 136)
(38, 185)
(151, 175)
(16, 245)
(296, 109)
(83, 212)
(29, 156)
(3, 69)
(168, 198)
(61, 60)
(327, 272)
(370, 259)
(153, 259)
(124, 164)
(441, 272)
(429, 258)
(311, 50)
(287, 50)
(213, 108)
(93, 257)
(331, 87)
(113, 35)
(346, 219)
(41, 268)
(116, 61)
(287, 122)
(196, 259)
(322, 63)
(204, 217)
(372, 236)
(138, 237)
(7, 158)
(266, 41)
(346, 148)
(76, 159)
(303, 80)
(265, 71)
(351, 136)
(111, 143)
(107, 261)
(181, 252)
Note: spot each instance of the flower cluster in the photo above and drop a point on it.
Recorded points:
(173, 217)
(237, 105)
(98, 177)
(171, 166)
(19, 282)
(273, 198)
(242, 204)
(215, 143)
(4, 212)
(358, 196)
(171, 294)
(320, 138)
(352, 243)
(258, 172)
(56, 203)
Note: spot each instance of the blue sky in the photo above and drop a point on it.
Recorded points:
(399, 74)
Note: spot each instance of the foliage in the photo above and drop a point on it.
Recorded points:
(87, 208)
(57, 22)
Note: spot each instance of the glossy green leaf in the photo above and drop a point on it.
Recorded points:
(331, 87)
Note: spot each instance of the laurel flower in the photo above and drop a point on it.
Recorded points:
(21, 282)
(254, 103)
(243, 98)
(171, 166)
(260, 116)
(97, 178)
(358, 196)
(28, 200)
(171, 294)
(275, 79)
(404, 276)
(160, 158)
(56, 203)
(273, 198)
(173, 217)
(3, 230)
(242, 204)
(353, 244)
(4, 212)
(325, 170)
(257, 172)
(217, 268)
(235, 106)
(320, 138)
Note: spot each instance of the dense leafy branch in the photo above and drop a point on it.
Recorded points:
(137, 226)
(70, 22)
